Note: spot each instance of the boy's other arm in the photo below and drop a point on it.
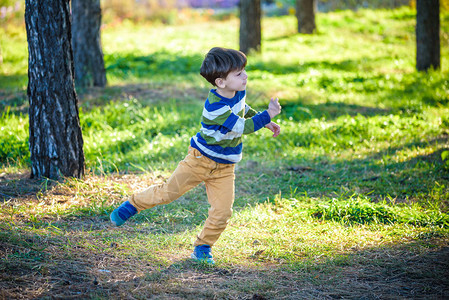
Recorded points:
(235, 123)
(275, 128)
(272, 126)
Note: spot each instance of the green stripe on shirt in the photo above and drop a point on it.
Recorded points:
(223, 143)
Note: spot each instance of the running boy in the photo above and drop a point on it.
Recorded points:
(213, 151)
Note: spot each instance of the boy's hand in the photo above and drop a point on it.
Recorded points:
(274, 108)
(275, 128)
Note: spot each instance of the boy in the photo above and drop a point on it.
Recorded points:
(213, 151)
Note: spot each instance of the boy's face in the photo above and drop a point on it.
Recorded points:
(235, 81)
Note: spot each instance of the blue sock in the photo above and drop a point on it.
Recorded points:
(122, 213)
(203, 253)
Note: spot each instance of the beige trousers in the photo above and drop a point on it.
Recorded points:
(194, 169)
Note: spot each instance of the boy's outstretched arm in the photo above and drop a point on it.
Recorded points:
(221, 115)
(274, 108)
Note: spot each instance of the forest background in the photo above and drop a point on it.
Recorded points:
(350, 201)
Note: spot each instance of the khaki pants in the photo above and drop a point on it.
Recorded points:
(194, 169)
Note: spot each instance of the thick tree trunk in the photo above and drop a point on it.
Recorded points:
(250, 31)
(305, 13)
(427, 34)
(88, 56)
(56, 142)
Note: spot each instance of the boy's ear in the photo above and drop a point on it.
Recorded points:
(219, 82)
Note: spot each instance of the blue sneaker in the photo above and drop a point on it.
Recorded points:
(203, 254)
(122, 213)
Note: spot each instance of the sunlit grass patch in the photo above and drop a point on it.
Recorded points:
(360, 210)
(44, 202)
(304, 230)
(128, 136)
(14, 139)
(13, 69)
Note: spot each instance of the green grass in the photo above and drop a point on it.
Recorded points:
(355, 187)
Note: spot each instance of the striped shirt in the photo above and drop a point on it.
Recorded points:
(223, 123)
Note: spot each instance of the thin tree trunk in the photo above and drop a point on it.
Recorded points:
(88, 55)
(427, 34)
(305, 13)
(250, 28)
(56, 142)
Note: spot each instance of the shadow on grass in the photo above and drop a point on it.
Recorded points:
(57, 266)
(419, 175)
(10, 83)
(377, 175)
(403, 270)
(147, 93)
(14, 101)
(14, 186)
(328, 111)
(422, 89)
(161, 62)
(276, 68)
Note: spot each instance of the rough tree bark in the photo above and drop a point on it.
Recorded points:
(250, 30)
(56, 142)
(305, 13)
(427, 34)
(87, 51)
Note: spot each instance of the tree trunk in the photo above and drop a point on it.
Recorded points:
(88, 56)
(305, 13)
(427, 34)
(56, 142)
(250, 31)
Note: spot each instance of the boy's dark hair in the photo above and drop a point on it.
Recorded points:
(219, 62)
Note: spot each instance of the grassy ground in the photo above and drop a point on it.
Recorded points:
(351, 201)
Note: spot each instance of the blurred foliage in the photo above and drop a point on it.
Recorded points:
(178, 12)
(165, 12)
(332, 5)
(445, 158)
